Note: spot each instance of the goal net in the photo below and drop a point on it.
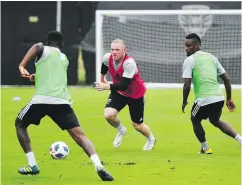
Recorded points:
(156, 40)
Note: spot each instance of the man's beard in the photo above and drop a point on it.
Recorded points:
(189, 54)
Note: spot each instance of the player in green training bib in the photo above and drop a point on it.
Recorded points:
(202, 69)
(51, 99)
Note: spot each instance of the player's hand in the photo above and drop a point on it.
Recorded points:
(184, 104)
(24, 73)
(230, 104)
(32, 77)
(101, 86)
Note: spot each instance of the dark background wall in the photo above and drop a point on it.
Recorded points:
(18, 35)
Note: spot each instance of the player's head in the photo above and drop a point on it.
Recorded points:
(118, 49)
(192, 44)
(55, 38)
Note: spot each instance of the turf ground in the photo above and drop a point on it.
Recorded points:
(173, 161)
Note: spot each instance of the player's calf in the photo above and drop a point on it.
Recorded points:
(79, 137)
(110, 115)
(144, 129)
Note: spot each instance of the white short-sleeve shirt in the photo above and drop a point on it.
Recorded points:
(187, 69)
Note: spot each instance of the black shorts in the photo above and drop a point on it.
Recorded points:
(62, 114)
(212, 111)
(136, 106)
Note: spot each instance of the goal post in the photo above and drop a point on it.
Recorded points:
(155, 38)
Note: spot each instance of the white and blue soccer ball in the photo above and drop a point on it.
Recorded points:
(59, 150)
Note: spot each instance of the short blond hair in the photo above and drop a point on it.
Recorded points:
(119, 41)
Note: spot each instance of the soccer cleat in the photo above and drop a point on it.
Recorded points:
(28, 170)
(149, 145)
(208, 151)
(119, 138)
(104, 175)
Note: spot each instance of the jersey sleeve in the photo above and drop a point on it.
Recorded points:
(106, 59)
(130, 68)
(187, 67)
(220, 69)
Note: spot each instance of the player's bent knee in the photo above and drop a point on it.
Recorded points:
(110, 114)
(137, 126)
(18, 123)
(76, 132)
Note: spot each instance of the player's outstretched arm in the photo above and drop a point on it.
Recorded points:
(31, 55)
(186, 91)
(229, 102)
(122, 85)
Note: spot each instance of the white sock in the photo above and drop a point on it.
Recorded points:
(120, 128)
(205, 145)
(151, 137)
(238, 138)
(31, 159)
(96, 161)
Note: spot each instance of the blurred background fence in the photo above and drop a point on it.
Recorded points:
(26, 23)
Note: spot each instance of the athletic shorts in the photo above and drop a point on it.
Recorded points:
(62, 114)
(212, 111)
(136, 106)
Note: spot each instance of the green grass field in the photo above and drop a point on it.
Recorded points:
(173, 161)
